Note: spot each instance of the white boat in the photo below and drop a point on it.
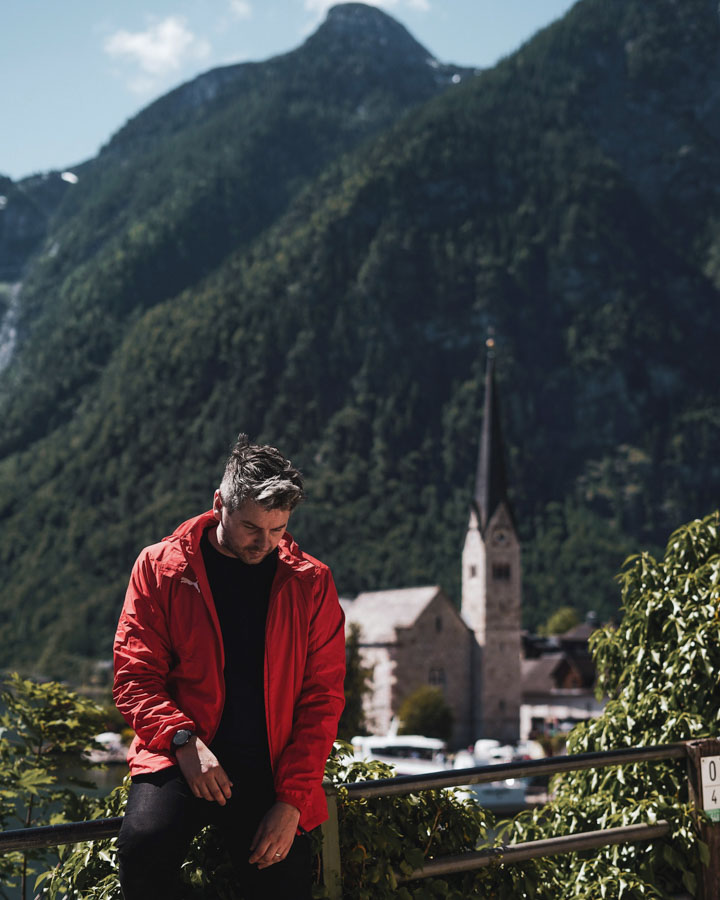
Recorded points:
(408, 754)
(414, 754)
(507, 794)
(111, 749)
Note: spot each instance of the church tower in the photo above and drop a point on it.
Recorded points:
(491, 584)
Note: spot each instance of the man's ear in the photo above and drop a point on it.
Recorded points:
(217, 505)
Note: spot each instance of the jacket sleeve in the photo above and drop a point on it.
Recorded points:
(321, 701)
(143, 658)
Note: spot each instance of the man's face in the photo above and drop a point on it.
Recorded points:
(250, 533)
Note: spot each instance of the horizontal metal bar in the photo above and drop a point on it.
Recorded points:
(53, 835)
(75, 832)
(515, 853)
(407, 784)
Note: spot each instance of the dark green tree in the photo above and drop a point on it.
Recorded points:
(357, 684)
(560, 621)
(426, 712)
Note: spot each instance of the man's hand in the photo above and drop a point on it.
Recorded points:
(202, 771)
(275, 835)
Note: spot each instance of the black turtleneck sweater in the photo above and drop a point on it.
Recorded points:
(241, 593)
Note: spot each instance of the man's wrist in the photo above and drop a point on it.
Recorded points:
(181, 738)
(289, 805)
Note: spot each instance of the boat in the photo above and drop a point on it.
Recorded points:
(408, 754)
(507, 794)
(414, 754)
(110, 751)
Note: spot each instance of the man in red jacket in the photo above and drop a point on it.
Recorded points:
(229, 666)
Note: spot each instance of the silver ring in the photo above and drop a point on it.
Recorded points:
(278, 854)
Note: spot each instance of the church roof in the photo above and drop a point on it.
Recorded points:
(491, 478)
(379, 613)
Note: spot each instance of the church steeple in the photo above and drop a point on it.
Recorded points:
(491, 583)
(491, 478)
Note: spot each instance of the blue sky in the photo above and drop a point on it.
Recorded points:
(72, 73)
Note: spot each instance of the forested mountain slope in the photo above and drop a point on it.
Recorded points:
(567, 199)
(196, 175)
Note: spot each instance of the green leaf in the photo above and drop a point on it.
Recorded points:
(690, 882)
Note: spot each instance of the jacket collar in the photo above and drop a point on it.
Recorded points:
(184, 547)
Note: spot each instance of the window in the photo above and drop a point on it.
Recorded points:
(473, 571)
(437, 677)
(438, 624)
(501, 571)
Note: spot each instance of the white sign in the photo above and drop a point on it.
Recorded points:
(710, 770)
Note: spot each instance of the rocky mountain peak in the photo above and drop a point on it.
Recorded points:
(367, 29)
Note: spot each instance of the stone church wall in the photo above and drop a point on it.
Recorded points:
(436, 651)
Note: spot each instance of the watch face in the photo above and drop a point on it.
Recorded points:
(181, 737)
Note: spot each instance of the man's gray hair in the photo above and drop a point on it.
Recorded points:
(262, 474)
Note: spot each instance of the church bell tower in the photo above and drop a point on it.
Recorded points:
(491, 584)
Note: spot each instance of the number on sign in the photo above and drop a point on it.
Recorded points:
(713, 770)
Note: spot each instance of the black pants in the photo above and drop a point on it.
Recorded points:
(163, 816)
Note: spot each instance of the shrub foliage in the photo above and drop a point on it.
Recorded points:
(426, 712)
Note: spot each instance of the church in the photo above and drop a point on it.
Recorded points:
(415, 636)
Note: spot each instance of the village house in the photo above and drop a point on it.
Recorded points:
(558, 682)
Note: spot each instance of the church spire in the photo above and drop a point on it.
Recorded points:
(491, 480)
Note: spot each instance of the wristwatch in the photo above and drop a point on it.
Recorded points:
(180, 738)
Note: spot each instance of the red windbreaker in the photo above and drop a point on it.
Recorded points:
(169, 661)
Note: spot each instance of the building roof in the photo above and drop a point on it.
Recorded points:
(379, 613)
(579, 633)
(538, 675)
(546, 674)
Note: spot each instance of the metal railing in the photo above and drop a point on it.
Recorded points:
(693, 752)
(508, 854)
(54, 835)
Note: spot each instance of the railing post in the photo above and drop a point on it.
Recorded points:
(332, 871)
(702, 776)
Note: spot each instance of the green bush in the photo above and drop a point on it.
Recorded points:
(660, 669)
(45, 730)
(560, 621)
(390, 836)
(426, 712)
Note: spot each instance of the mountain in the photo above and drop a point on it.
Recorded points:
(564, 199)
(26, 208)
(196, 175)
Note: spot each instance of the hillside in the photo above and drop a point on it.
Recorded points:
(564, 198)
(195, 176)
